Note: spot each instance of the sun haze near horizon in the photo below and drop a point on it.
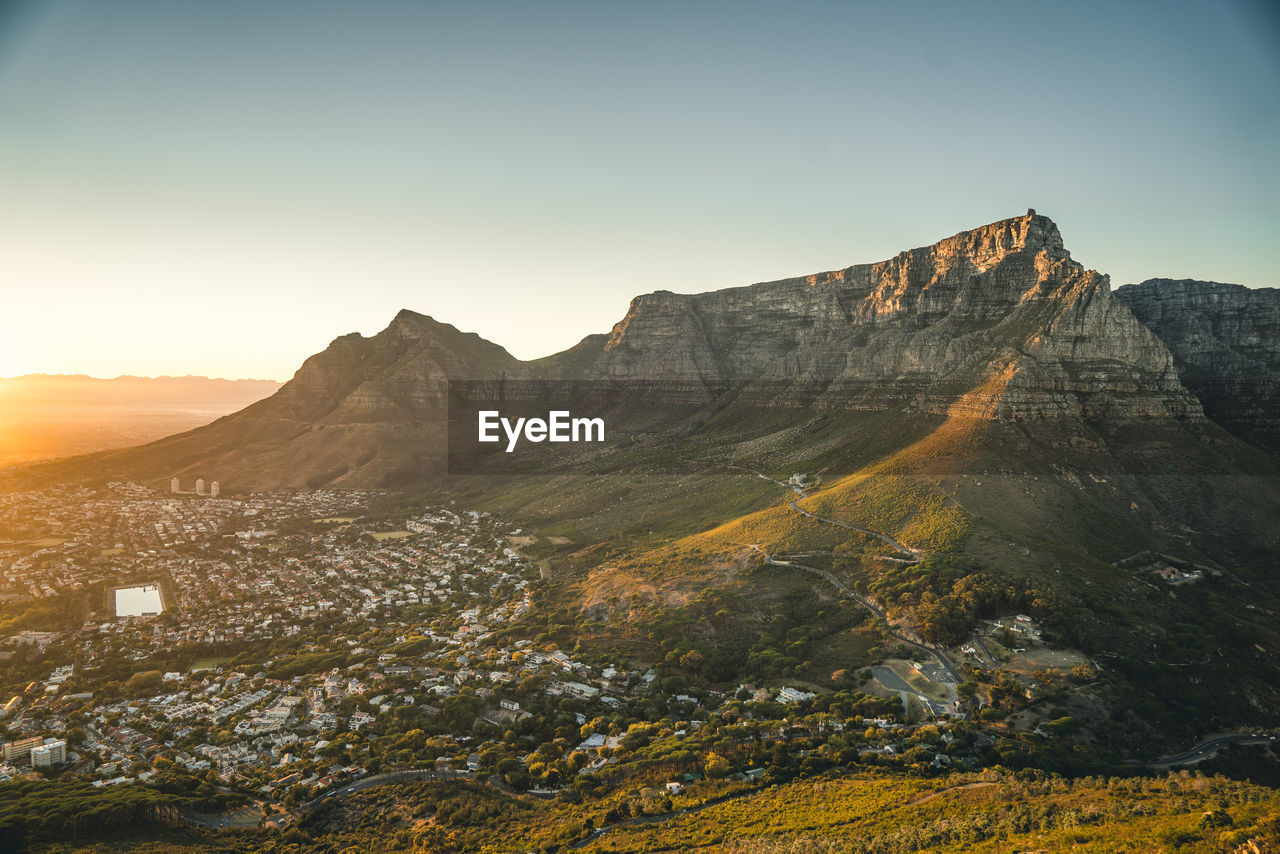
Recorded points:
(222, 189)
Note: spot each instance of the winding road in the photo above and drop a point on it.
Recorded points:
(910, 555)
(386, 778)
(1204, 750)
(866, 603)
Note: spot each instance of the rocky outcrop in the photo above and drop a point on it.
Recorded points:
(1225, 341)
(918, 329)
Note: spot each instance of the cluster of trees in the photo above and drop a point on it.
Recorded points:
(719, 637)
(946, 594)
(75, 810)
(435, 817)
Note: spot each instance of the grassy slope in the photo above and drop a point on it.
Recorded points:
(994, 813)
(1052, 504)
(863, 811)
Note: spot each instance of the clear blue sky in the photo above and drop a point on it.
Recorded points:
(222, 187)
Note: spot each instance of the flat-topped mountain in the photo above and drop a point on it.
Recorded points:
(917, 329)
(996, 323)
(1225, 341)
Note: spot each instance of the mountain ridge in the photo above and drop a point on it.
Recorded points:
(82, 388)
(925, 331)
(895, 326)
(1225, 340)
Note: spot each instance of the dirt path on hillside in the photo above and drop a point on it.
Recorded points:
(924, 799)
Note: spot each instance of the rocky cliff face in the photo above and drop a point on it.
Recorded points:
(920, 328)
(998, 323)
(1225, 341)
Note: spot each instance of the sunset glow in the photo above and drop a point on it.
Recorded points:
(589, 426)
(207, 191)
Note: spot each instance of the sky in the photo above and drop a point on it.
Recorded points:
(222, 188)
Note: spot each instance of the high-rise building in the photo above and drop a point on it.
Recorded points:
(173, 485)
(213, 489)
(50, 753)
(199, 486)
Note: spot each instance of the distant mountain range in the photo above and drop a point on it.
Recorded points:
(57, 415)
(82, 390)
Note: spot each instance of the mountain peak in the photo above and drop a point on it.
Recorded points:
(413, 329)
(411, 324)
(902, 327)
(407, 318)
(408, 315)
(1039, 232)
(988, 245)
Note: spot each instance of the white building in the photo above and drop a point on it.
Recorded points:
(790, 695)
(48, 754)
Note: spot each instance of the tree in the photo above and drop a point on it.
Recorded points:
(716, 766)
(691, 660)
(673, 684)
(143, 684)
(1084, 672)
(460, 710)
(1215, 819)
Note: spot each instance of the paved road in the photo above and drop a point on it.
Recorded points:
(1205, 749)
(909, 555)
(799, 491)
(891, 680)
(241, 818)
(386, 778)
(250, 816)
(982, 645)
